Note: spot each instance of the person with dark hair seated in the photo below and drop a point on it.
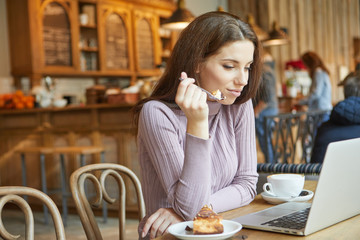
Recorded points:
(344, 122)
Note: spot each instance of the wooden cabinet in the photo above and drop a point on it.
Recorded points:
(92, 38)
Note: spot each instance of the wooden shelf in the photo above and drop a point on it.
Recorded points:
(88, 26)
(89, 49)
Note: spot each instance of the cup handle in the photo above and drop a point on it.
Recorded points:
(269, 191)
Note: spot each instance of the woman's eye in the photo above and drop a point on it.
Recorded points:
(228, 66)
(247, 68)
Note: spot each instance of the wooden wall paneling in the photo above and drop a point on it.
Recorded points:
(332, 43)
(292, 28)
(284, 51)
(318, 30)
(345, 34)
(240, 7)
(262, 15)
(309, 17)
(349, 27)
(301, 27)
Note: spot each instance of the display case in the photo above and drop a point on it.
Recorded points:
(85, 38)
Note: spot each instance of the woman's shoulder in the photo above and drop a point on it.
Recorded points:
(156, 107)
(321, 72)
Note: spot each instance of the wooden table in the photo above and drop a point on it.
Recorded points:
(348, 229)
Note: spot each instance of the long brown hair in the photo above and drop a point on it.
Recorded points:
(201, 39)
(312, 61)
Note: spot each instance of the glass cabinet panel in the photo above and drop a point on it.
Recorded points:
(56, 36)
(116, 43)
(144, 41)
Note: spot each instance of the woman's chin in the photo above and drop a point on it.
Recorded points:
(227, 101)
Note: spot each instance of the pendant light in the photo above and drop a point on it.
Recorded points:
(260, 33)
(180, 18)
(276, 36)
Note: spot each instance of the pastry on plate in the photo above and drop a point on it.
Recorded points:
(207, 222)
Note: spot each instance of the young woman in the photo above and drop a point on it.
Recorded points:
(320, 90)
(193, 150)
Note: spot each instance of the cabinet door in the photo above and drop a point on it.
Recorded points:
(56, 36)
(146, 35)
(88, 36)
(116, 39)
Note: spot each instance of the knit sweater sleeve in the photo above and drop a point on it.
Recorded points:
(242, 190)
(182, 163)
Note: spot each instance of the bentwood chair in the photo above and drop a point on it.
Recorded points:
(97, 174)
(11, 194)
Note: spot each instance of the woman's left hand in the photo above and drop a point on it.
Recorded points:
(159, 222)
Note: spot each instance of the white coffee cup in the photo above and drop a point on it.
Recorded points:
(284, 185)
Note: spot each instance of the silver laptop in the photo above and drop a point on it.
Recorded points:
(336, 197)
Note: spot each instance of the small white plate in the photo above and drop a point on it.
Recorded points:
(277, 200)
(178, 230)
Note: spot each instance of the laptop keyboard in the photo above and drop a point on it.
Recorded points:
(296, 220)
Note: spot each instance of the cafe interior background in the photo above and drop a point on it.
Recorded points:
(329, 27)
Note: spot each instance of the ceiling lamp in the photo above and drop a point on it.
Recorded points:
(180, 18)
(220, 9)
(276, 36)
(261, 34)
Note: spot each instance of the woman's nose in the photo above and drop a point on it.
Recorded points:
(242, 78)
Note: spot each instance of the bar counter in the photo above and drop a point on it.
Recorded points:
(107, 125)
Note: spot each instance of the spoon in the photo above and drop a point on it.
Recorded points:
(210, 95)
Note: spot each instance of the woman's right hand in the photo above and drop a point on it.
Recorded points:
(192, 101)
(158, 223)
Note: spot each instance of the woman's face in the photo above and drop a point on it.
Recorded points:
(228, 70)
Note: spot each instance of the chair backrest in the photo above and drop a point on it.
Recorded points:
(11, 194)
(288, 129)
(97, 174)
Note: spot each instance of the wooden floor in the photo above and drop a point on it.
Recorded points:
(14, 223)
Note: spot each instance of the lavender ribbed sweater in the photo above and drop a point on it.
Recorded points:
(184, 172)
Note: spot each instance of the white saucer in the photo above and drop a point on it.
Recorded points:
(178, 230)
(276, 200)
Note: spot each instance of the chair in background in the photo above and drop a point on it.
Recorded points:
(288, 130)
(82, 151)
(12, 194)
(97, 174)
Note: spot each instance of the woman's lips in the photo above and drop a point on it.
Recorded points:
(235, 93)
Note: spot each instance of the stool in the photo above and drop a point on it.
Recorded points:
(82, 150)
(41, 151)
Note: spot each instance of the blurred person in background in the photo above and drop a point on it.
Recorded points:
(319, 97)
(344, 122)
(266, 104)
